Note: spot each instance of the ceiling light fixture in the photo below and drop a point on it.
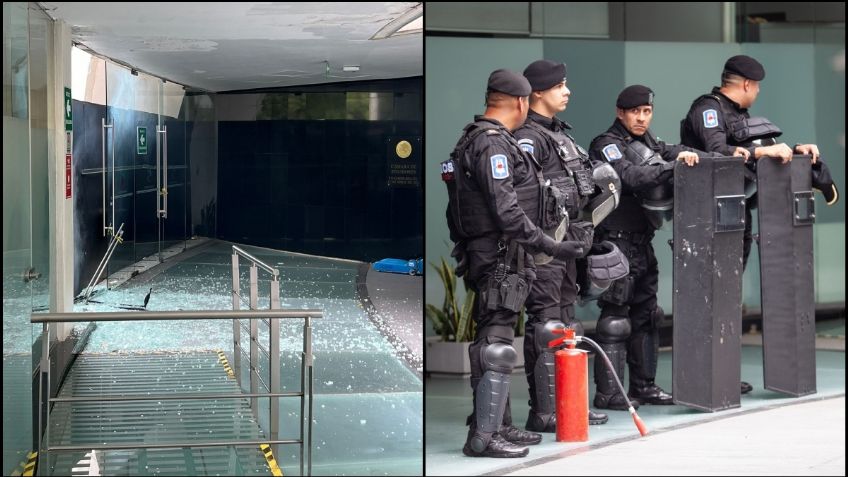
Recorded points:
(393, 27)
(350, 68)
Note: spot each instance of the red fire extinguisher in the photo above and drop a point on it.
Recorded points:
(572, 392)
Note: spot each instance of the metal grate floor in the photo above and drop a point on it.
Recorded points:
(150, 422)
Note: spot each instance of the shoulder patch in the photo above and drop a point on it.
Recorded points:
(526, 145)
(500, 166)
(710, 118)
(612, 152)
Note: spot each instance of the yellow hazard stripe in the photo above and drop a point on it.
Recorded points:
(32, 459)
(269, 456)
(222, 358)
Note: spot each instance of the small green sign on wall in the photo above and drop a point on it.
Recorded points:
(141, 142)
(69, 120)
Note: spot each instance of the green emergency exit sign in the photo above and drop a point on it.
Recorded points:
(69, 120)
(141, 142)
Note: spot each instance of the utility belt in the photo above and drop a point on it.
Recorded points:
(508, 287)
(635, 238)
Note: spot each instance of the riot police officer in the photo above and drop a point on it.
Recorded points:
(550, 304)
(494, 216)
(628, 325)
(720, 122)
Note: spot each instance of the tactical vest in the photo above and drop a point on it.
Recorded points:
(469, 209)
(573, 177)
(740, 130)
(629, 216)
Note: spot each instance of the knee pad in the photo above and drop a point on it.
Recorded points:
(613, 329)
(544, 334)
(499, 357)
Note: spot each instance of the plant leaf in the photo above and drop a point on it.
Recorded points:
(463, 333)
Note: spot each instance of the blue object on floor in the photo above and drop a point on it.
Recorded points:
(396, 265)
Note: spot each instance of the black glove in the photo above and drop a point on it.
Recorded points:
(570, 250)
(458, 253)
(582, 231)
(823, 181)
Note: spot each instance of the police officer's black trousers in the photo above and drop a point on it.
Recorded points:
(641, 309)
(492, 326)
(552, 297)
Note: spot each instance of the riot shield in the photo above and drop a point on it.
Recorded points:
(709, 220)
(786, 216)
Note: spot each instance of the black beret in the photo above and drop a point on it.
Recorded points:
(633, 96)
(544, 74)
(508, 82)
(746, 67)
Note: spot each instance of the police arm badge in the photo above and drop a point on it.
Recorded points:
(612, 153)
(710, 118)
(500, 166)
(526, 145)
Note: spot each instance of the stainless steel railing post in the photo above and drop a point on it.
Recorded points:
(274, 352)
(307, 331)
(274, 315)
(254, 337)
(236, 323)
(113, 244)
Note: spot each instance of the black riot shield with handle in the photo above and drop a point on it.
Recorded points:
(786, 216)
(709, 220)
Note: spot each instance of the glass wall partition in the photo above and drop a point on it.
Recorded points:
(27, 138)
(129, 152)
(90, 136)
(145, 141)
(121, 121)
(172, 121)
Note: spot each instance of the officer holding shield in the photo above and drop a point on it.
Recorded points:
(720, 122)
(628, 326)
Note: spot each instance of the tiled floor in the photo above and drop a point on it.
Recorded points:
(448, 402)
(368, 403)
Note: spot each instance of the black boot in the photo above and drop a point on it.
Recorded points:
(491, 395)
(643, 349)
(650, 394)
(540, 422)
(519, 436)
(608, 395)
(746, 388)
(596, 418)
(497, 447)
(540, 375)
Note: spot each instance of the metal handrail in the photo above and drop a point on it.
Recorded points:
(172, 445)
(273, 351)
(273, 271)
(273, 315)
(172, 397)
(172, 315)
(104, 262)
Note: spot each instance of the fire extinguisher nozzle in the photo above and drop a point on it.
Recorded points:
(643, 429)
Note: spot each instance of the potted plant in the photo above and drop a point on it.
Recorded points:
(448, 352)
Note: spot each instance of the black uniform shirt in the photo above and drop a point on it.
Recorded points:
(708, 125)
(533, 142)
(497, 167)
(541, 146)
(611, 147)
